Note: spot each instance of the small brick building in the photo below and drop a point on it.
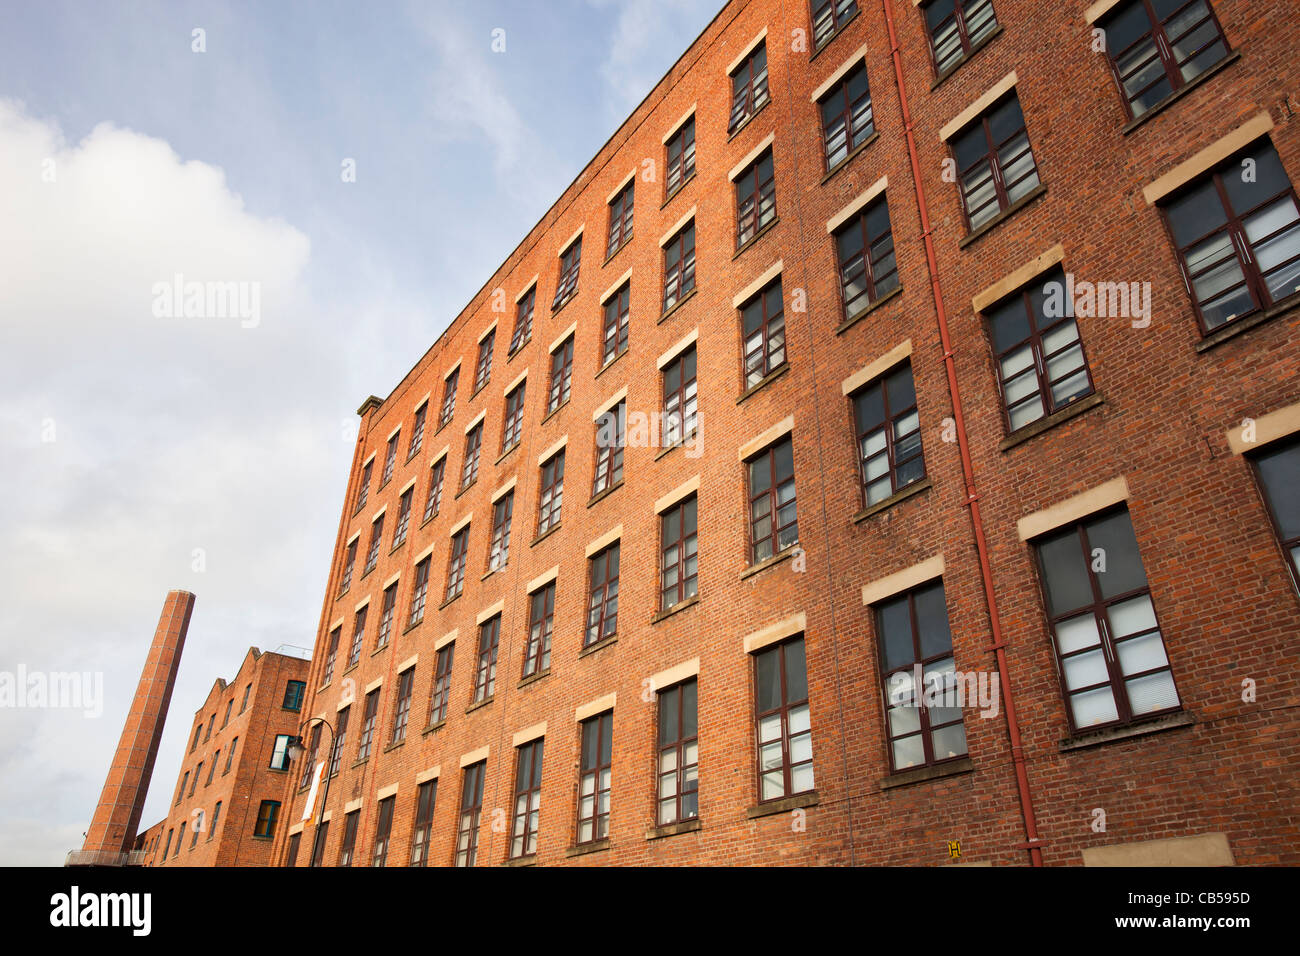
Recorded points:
(991, 388)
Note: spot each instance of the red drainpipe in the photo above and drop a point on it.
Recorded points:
(1032, 843)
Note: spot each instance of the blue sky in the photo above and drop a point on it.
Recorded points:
(145, 453)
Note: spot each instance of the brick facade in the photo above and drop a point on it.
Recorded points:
(1154, 431)
(247, 712)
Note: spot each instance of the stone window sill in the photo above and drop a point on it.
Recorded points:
(627, 241)
(1113, 734)
(949, 768)
(785, 805)
(678, 191)
(605, 492)
(482, 703)
(412, 626)
(672, 309)
(394, 745)
(544, 535)
(1177, 95)
(601, 644)
(766, 563)
(507, 453)
(533, 678)
(557, 309)
(449, 600)
(1037, 192)
(848, 160)
(680, 443)
(601, 371)
(672, 829)
(752, 116)
(465, 488)
(748, 243)
(1036, 428)
(555, 411)
(530, 860)
(432, 728)
(675, 609)
(765, 381)
(586, 848)
(899, 496)
(887, 297)
(1240, 326)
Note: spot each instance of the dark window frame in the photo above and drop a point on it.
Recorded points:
(528, 797)
(679, 265)
(683, 749)
(420, 592)
(502, 517)
(402, 704)
(523, 331)
(679, 554)
(783, 711)
(990, 159)
(680, 152)
(483, 367)
(763, 347)
(966, 45)
(560, 384)
(541, 626)
(512, 428)
(570, 265)
(457, 559)
(602, 597)
(596, 764)
(749, 87)
(440, 690)
(755, 196)
(854, 123)
(471, 809)
(426, 797)
(473, 454)
(550, 495)
(369, 718)
(889, 425)
(608, 470)
(766, 460)
(614, 325)
(449, 385)
(874, 263)
(485, 660)
(620, 218)
(840, 11)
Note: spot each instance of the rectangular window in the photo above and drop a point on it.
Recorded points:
(1109, 650)
(364, 491)
(828, 16)
(449, 398)
(594, 781)
(198, 828)
(322, 835)
(349, 562)
(340, 738)
(386, 617)
(755, 198)
(332, 654)
(212, 722)
(216, 818)
(1278, 470)
(383, 829)
(230, 705)
(309, 765)
(198, 734)
(914, 640)
(523, 321)
(955, 27)
(198, 772)
(358, 636)
(620, 219)
(602, 606)
(528, 799)
(168, 845)
(502, 511)
(403, 517)
(422, 832)
(848, 120)
(615, 330)
(677, 795)
(679, 560)
(681, 398)
(784, 729)
(471, 807)
(1237, 234)
(995, 165)
(180, 794)
(456, 563)
(368, 718)
(473, 445)
(748, 88)
(212, 769)
(864, 248)
(1157, 47)
(390, 459)
(762, 321)
(485, 668)
(417, 431)
(681, 157)
(611, 436)
(552, 493)
(1041, 364)
(294, 691)
(248, 689)
(279, 753)
(889, 435)
(440, 692)
(349, 837)
(561, 376)
(567, 286)
(514, 419)
(773, 524)
(402, 707)
(541, 621)
(679, 266)
(420, 592)
(267, 813)
(434, 501)
(179, 840)
(483, 369)
(376, 536)
(291, 854)
(230, 756)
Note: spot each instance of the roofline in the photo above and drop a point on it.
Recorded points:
(741, 4)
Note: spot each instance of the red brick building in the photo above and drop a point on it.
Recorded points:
(227, 798)
(942, 344)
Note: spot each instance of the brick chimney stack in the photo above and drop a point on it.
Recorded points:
(117, 816)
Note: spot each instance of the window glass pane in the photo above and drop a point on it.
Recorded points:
(1084, 670)
(1131, 617)
(1269, 177)
(1279, 472)
(1009, 325)
(1094, 707)
(769, 680)
(1076, 633)
(949, 742)
(689, 691)
(932, 621)
(1142, 654)
(1195, 214)
(1065, 574)
(795, 676)
(1122, 562)
(895, 625)
(1151, 693)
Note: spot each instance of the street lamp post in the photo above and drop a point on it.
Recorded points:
(296, 750)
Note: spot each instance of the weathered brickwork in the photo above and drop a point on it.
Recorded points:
(1166, 396)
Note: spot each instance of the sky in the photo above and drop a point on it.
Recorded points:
(146, 447)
